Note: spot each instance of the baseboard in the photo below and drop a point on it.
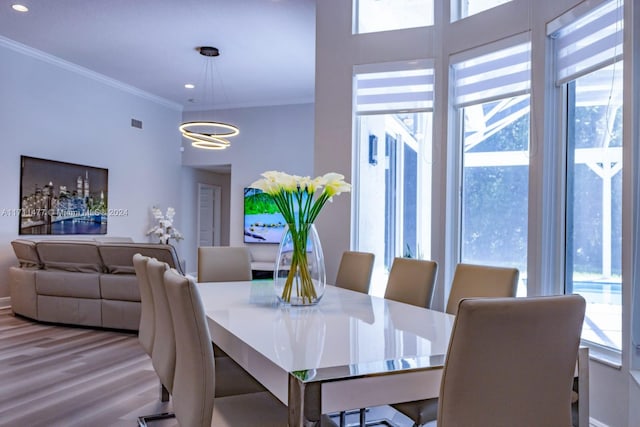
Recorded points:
(5, 302)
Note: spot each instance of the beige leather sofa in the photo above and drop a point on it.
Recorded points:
(80, 282)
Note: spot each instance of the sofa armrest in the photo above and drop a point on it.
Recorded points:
(22, 289)
(26, 253)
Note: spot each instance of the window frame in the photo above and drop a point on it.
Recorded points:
(424, 225)
(355, 24)
(456, 150)
(553, 279)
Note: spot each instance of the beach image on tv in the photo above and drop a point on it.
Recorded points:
(263, 222)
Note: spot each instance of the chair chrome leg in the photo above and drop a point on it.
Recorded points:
(342, 417)
(142, 421)
(164, 394)
(380, 422)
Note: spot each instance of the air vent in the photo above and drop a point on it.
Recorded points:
(136, 123)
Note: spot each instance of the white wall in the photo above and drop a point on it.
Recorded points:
(337, 51)
(634, 396)
(49, 111)
(271, 138)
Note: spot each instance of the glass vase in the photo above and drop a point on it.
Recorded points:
(299, 275)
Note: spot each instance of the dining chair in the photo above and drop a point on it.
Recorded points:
(194, 403)
(223, 264)
(412, 281)
(227, 264)
(580, 394)
(511, 362)
(479, 281)
(468, 281)
(147, 317)
(355, 270)
(354, 273)
(163, 353)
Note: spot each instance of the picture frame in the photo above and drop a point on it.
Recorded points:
(61, 198)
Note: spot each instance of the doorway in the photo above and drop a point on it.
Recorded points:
(209, 198)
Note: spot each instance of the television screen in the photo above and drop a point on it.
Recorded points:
(263, 222)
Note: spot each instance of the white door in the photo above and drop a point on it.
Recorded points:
(208, 215)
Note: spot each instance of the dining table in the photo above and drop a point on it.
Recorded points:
(350, 350)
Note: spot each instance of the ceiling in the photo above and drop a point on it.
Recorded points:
(267, 47)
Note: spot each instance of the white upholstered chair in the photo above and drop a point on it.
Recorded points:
(354, 272)
(511, 362)
(193, 390)
(227, 264)
(223, 264)
(163, 352)
(468, 281)
(412, 281)
(147, 317)
(477, 281)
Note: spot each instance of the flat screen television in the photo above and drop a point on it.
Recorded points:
(263, 222)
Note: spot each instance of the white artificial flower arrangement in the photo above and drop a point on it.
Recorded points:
(164, 228)
(300, 199)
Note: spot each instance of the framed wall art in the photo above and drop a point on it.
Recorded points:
(62, 198)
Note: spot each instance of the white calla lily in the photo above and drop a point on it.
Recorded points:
(300, 199)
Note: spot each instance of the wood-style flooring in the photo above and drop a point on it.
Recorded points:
(64, 376)
(54, 375)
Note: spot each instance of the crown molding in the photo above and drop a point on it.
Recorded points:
(85, 72)
(233, 106)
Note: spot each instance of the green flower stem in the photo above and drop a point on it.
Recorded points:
(299, 273)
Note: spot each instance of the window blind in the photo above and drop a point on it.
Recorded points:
(589, 43)
(500, 74)
(394, 91)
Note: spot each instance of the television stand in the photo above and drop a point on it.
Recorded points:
(262, 270)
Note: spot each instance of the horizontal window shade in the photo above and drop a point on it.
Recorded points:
(407, 90)
(589, 43)
(500, 74)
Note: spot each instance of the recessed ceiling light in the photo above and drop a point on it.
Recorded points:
(20, 8)
(189, 85)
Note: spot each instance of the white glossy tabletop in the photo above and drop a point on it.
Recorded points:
(346, 328)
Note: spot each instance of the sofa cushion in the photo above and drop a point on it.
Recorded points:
(118, 257)
(68, 284)
(120, 314)
(74, 311)
(123, 287)
(76, 256)
(26, 253)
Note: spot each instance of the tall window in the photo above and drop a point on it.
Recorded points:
(589, 71)
(462, 8)
(491, 94)
(392, 163)
(383, 15)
